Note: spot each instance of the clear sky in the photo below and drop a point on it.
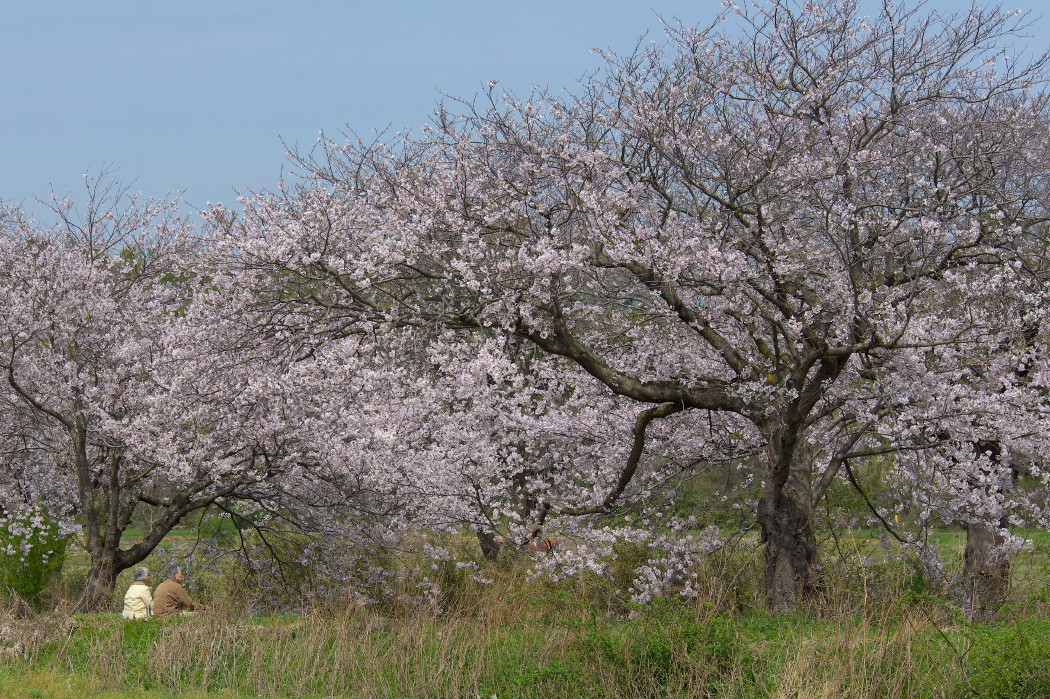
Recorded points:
(197, 95)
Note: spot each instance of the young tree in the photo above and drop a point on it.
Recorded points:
(752, 225)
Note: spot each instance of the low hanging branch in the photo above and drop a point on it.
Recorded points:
(641, 423)
(868, 502)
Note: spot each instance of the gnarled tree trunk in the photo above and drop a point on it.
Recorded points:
(791, 548)
(986, 564)
(98, 588)
(787, 528)
(490, 545)
(986, 571)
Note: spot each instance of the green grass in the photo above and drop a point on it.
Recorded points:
(874, 631)
(670, 650)
(516, 638)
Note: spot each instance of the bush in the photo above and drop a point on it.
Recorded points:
(668, 643)
(32, 551)
(1012, 660)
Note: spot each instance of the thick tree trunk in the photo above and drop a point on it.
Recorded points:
(791, 549)
(986, 565)
(787, 525)
(986, 571)
(98, 588)
(490, 547)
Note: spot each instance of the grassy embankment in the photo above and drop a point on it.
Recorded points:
(875, 631)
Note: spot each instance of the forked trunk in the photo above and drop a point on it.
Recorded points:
(986, 571)
(791, 549)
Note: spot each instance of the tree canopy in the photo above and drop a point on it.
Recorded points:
(798, 245)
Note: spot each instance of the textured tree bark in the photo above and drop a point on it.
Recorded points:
(490, 548)
(791, 549)
(986, 565)
(98, 588)
(986, 572)
(787, 527)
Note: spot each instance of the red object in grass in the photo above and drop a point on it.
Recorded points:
(543, 544)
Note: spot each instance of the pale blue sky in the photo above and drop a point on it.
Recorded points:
(197, 94)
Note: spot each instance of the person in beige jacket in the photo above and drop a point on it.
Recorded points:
(171, 598)
(138, 602)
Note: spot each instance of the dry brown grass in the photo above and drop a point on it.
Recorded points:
(869, 633)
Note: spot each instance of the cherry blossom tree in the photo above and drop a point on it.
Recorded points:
(516, 445)
(968, 432)
(127, 386)
(786, 228)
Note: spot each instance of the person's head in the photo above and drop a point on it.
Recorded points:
(174, 571)
(141, 574)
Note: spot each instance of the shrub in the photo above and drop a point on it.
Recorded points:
(32, 551)
(667, 643)
(1012, 660)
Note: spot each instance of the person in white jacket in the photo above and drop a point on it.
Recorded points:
(138, 600)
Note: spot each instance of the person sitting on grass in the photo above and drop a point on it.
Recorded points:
(171, 599)
(138, 602)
